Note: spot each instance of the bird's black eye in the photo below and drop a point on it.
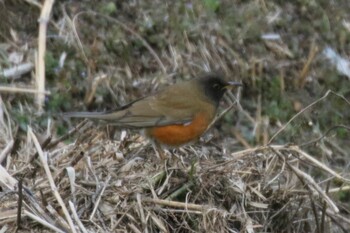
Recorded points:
(216, 86)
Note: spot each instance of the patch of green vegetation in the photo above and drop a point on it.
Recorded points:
(108, 8)
(324, 23)
(275, 103)
(212, 5)
(344, 196)
(280, 109)
(343, 133)
(243, 24)
(157, 40)
(182, 18)
(21, 119)
(51, 64)
(193, 170)
(58, 101)
(119, 48)
(61, 130)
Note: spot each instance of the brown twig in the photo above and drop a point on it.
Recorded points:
(303, 73)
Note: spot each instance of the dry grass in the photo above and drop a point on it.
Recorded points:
(99, 185)
(274, 175)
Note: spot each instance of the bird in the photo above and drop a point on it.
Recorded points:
(177, 115)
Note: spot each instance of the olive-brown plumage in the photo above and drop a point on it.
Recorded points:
(174, 116)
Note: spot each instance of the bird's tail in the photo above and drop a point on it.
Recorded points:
(94, 115)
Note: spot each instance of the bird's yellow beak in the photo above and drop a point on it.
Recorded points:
(230, 85)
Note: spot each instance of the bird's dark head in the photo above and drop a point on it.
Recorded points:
(215, 86)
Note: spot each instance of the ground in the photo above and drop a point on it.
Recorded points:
(276, 161)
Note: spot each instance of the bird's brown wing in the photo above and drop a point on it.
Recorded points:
(171, 106)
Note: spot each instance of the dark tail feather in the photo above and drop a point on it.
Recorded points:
(92, 115)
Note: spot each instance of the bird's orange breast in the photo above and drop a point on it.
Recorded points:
(176, 135)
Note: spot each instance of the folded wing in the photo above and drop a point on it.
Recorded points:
(171, 106)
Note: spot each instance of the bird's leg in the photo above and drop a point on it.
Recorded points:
(177, 159)
(159, 151)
